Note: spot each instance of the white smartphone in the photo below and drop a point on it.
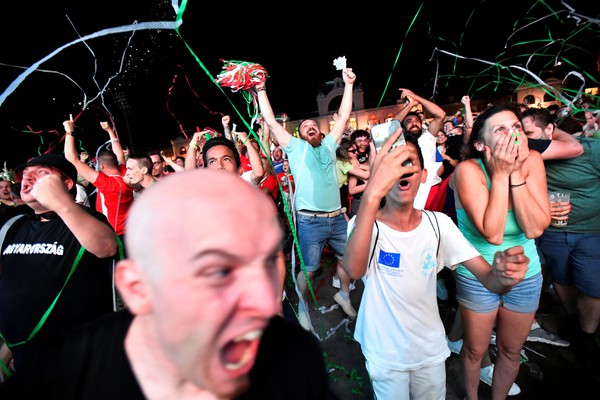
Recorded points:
(380, 133)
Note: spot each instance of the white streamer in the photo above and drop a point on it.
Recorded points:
(104, 32)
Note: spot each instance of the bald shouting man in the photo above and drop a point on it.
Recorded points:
(202, 317)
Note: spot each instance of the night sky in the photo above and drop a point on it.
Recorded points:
(154, 88)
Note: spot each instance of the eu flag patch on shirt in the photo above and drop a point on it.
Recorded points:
(389, 259)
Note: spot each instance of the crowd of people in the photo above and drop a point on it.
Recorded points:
(100, 282)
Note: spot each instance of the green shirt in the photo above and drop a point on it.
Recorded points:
(342, 168)
(581, 177)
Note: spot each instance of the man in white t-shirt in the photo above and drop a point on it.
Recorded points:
(399, 250)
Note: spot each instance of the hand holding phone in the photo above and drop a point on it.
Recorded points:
(381, 132)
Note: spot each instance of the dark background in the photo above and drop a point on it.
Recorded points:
(155, 89)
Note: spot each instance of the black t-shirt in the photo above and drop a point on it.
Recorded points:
(7, 212)
(363, 158)
(453, 150)
(37, 258)
(454, 146)
(538, 144)
(91, 363)
(87, 363)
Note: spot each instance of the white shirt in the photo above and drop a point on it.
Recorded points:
(428, 145)
(398, 324)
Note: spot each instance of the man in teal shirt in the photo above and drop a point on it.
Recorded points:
(318, 207)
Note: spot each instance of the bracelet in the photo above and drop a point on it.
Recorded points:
(194, 145)
(260, 89)
(114, 140)
(518, 184)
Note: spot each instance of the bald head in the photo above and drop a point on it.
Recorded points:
(203, 277)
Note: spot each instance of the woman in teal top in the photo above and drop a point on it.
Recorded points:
(501, 201)
(513, 235)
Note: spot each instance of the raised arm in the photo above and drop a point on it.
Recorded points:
(432, 108)
(258, 172)
(226, 122)
(115, 144)
(400, 115)
(176, 167)
(265, 136)
(193, 151)
(466, 101)
(282, 136)
(345, 106)
(83, 169)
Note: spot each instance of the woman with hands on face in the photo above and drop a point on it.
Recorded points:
(501, 201)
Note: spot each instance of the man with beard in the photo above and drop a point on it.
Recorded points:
(427, 137)
(320, 217)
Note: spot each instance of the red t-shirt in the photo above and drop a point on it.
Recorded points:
(270, 183)
(245, 163)
(114, 199)
(284, 181)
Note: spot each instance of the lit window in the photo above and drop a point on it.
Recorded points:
(352, 123)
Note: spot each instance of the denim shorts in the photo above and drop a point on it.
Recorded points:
(315, 232)
(524, 297)
(573, 259)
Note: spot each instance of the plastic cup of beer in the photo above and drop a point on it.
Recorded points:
(558, 221)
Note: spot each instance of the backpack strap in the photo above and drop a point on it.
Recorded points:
(6, 227)
(437, 233)
(374, 244)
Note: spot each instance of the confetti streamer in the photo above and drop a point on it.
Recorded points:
(242, 76)
(104, 32)
(191, 89)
